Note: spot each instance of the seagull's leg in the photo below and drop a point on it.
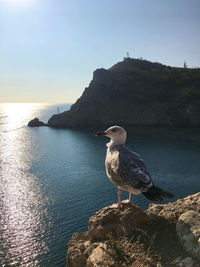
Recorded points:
(119, 205)
(129, 199)
(119, 202)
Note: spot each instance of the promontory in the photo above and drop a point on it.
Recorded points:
(136, 92)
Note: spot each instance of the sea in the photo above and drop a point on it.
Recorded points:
(53, 180)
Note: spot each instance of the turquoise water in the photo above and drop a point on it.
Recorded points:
(52, 180)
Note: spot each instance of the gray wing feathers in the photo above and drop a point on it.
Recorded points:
(127, 169)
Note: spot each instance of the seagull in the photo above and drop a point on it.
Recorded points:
(127, 170)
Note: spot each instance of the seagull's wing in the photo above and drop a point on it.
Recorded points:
(128, 170)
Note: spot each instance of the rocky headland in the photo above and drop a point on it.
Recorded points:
(136, 92)
(164, 235)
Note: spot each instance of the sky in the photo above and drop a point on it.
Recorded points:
(50, 48)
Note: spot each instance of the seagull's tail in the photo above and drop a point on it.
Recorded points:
(156, 194)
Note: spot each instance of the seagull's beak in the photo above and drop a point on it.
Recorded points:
(101, 134)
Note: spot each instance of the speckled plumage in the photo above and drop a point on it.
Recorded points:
(127, 170)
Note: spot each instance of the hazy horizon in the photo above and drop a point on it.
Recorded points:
(38, 102)
(50, 49)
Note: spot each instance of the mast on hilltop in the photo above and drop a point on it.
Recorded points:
(127, 56)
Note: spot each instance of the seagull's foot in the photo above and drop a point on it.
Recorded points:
(113, 206)
(127, 201)
(116, 206)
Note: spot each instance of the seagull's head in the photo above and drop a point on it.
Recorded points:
(117, 135)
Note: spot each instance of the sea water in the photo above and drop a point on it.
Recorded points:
(53, 180)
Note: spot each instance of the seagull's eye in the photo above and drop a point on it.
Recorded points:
(113, 130)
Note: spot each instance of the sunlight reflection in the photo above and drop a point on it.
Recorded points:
(16, 114)
(22, 201)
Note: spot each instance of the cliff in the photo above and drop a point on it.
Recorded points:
(164, 235)
(136, 92)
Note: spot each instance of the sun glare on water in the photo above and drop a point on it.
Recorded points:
(17, 114)
(24, 217)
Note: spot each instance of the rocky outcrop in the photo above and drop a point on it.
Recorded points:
(164, 235)
(173, 210)
(136, 92)
(36, 123)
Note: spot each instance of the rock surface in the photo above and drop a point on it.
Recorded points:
(133, 237)
(173, 210)
(100, 257)
(184, 262)
(136, 92)
(36, 123)
(188, 230)
(119, 223)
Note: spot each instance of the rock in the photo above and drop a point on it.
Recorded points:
(79, 248)
(131, 237)
(172, 211)
(188, 230)
(118, 222)
(100, 258)
(36, 123)
(184, 262)
(136, 92)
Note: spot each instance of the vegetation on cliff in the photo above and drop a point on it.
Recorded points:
(137, 92)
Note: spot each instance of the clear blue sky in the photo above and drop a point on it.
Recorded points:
(50, 48)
